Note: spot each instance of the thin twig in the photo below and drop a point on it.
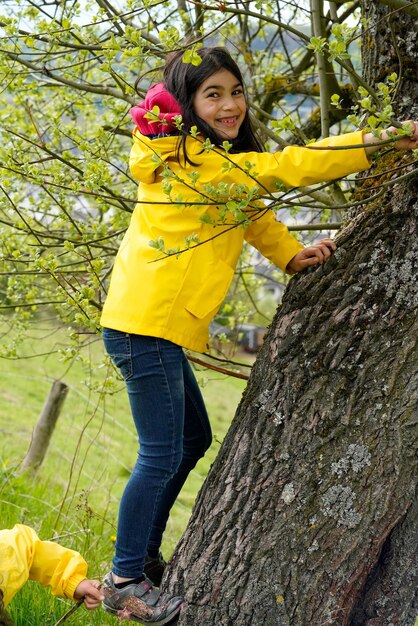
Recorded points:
(216, 368)
(70, 612)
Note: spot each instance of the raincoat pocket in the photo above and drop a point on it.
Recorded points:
(211, 283)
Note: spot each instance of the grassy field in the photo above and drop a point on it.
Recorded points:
(74, 496)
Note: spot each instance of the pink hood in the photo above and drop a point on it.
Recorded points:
(169, 109)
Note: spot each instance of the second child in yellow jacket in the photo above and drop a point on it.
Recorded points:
(199, 198)
(23, 557)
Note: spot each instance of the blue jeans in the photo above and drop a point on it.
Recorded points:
(173, 432)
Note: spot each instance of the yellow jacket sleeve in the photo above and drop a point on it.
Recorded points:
(24, 556)
(272, 239)
(297, 166)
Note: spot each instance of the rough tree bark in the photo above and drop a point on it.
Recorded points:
(309, 514)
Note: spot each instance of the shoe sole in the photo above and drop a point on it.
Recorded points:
(170, 617)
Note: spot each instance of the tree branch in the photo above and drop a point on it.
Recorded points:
(323, 67)
(79, 86)
(216, 368)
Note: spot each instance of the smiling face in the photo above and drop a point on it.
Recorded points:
(220, 102)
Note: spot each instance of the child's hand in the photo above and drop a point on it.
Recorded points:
(311, 255)
(90, 591)
(409, 142)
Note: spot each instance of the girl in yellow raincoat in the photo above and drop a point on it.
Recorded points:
(202, 177)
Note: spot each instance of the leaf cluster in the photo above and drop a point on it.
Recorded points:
(67, 74)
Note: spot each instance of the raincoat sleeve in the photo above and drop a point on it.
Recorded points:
(294, 166)
(297, 166)
(23, 556)
(272, 239)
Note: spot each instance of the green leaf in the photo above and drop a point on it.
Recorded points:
(336, 100)
(154, 115)
(191, 55)
(206, 218)
(227, 145)
(372, 121)
(157, 244)
(208, 145)
(192, 239)
(317, 44)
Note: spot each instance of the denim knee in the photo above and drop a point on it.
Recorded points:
(160, 468)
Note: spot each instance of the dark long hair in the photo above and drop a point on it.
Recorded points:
(4, 618)
(183, 79)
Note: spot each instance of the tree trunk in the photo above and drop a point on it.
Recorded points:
(45, 426)
(390, 44)
(309, 513)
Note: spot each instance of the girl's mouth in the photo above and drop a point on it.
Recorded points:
(228, 121)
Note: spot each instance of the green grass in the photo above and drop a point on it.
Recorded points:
(74, 496)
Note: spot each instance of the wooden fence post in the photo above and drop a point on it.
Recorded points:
(45, 426)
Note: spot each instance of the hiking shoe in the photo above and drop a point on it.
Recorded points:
(140, 603)
(154, 568)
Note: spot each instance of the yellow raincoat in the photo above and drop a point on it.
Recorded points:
(23, 556)
(175, 297)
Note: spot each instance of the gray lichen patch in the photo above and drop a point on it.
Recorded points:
(357, 458)
(267, 408)
(337, 502)
(288, 493)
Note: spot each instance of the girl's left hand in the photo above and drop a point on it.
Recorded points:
(316, 254)
(410, 142)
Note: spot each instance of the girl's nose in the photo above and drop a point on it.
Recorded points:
(229, 103)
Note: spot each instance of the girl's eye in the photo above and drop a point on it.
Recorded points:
(213, 95)
(237, 92)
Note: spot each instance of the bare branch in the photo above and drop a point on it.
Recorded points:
(51, 75)
(317, 7)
